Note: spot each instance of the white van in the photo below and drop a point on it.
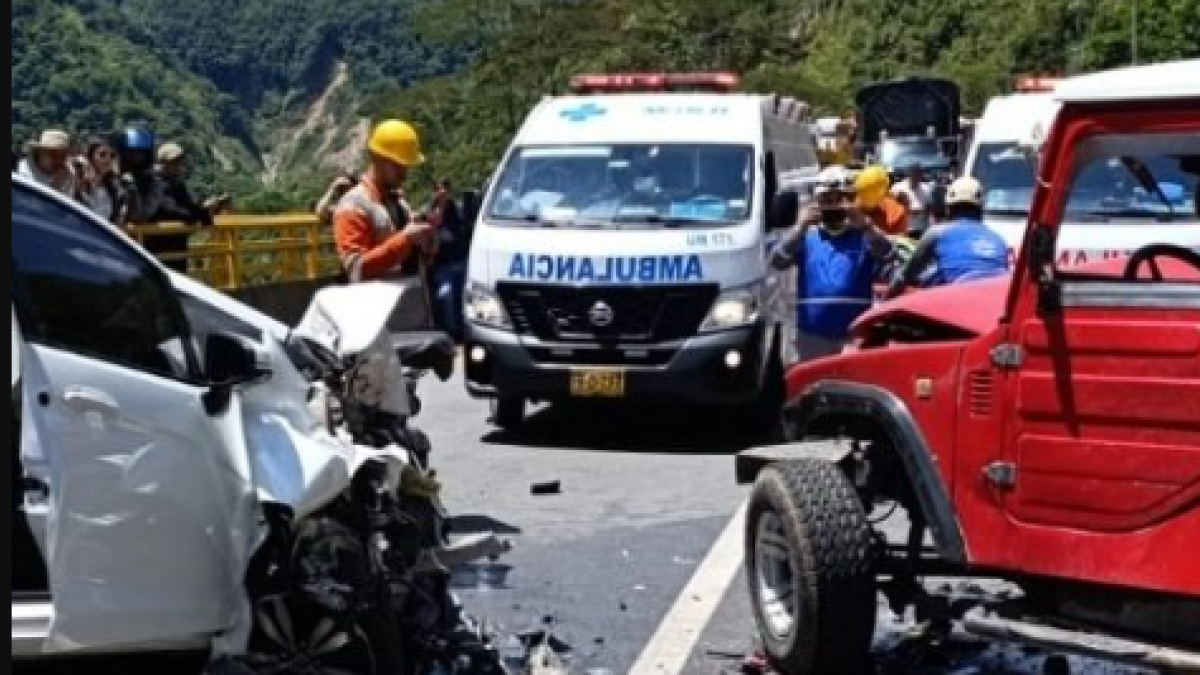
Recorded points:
(1129, 201)
(622, 249)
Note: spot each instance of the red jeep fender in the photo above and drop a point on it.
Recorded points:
(833, 397)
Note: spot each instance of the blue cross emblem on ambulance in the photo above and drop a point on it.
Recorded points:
(583, 112)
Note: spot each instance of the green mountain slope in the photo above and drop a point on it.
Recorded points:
(277, 95)
(276, 85)
(819, 51)
(66, 75)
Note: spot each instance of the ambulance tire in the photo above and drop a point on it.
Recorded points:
(766, 414)
(508, 412)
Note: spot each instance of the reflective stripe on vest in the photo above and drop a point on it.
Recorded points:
(382, 228)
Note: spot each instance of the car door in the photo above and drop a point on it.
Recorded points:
(151, 512)
(1104, 428)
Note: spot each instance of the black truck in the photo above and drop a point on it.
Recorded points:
(910, 121)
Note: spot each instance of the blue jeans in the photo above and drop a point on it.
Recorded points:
(448, 282)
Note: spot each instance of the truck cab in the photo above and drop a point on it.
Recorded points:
(1041, 428)
(910, 121)
(622, 249)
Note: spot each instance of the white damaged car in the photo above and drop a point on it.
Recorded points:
(191, 475)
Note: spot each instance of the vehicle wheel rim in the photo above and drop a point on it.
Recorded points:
(775, 578)
(317, 645)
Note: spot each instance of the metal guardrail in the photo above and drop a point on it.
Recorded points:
(244, 251)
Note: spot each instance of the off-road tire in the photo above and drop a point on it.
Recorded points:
(830, 553)
(508, 412)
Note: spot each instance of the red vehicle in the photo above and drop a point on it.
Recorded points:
(1041, 429)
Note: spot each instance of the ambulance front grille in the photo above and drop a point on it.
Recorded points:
(608, 314)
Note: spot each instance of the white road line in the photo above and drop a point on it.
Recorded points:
(668, 651)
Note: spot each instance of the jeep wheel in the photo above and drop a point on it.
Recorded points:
(809, 563)
(508, 412)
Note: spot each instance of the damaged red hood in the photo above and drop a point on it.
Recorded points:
(974, 307)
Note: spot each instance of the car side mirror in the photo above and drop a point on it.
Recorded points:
(785, 211)
(230, 361)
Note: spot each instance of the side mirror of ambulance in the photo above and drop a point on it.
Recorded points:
(784, 211)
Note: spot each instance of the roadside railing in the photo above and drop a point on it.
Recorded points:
(243, 251)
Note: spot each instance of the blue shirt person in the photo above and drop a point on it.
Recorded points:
(963, 249)
(839, 256)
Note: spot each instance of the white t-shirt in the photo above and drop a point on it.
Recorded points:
(919, 200)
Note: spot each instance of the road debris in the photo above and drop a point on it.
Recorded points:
(545, 489)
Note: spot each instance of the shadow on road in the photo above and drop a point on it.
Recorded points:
(478, 524)
(625, 428)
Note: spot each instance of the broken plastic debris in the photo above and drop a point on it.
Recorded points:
(549, 488)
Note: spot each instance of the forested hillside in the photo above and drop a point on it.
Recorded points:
(274, 94)
(819, 51)
(257, 88)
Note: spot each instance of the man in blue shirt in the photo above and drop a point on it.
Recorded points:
(963, 249)
(839, 255)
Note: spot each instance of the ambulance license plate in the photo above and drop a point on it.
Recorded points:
(598, 383)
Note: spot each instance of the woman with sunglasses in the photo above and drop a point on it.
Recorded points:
(102, 184)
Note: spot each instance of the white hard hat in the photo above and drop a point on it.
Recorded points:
(835, 178)
(965, 190)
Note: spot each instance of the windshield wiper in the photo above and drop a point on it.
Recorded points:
(664, 221)
(1147, 180)
(1007, 213)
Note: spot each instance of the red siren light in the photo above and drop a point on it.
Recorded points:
(717, 82)
(1032, 84)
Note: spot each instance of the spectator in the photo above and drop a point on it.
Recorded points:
(178, 206)
(333, 196)
(377, 236)
(49, 163)
(101, 183)
(450, 266)
(916, 194)
(888, 214)
(963, 249)
(839, 254)
(143, 192)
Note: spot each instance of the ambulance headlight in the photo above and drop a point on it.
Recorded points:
(482, 306)
(734, 309)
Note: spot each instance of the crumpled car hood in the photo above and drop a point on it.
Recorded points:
(974, 307)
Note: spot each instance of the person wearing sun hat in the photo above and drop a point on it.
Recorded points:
(49, 163)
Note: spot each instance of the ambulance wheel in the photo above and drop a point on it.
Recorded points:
(809, 555)
(766, 415)
(508, 412)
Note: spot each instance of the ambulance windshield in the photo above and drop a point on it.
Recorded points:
(1148, 182)
(664, 185)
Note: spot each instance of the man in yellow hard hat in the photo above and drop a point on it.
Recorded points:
(378, 238)
(873, 187)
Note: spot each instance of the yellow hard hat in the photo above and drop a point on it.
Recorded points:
(872, 186)
(397, 141)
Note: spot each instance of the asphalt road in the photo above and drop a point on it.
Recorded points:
(628, 551)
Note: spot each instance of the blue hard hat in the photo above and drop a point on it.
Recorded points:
(135, 138)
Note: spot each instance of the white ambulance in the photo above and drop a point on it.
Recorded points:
(1118, 205)
(622, 248)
